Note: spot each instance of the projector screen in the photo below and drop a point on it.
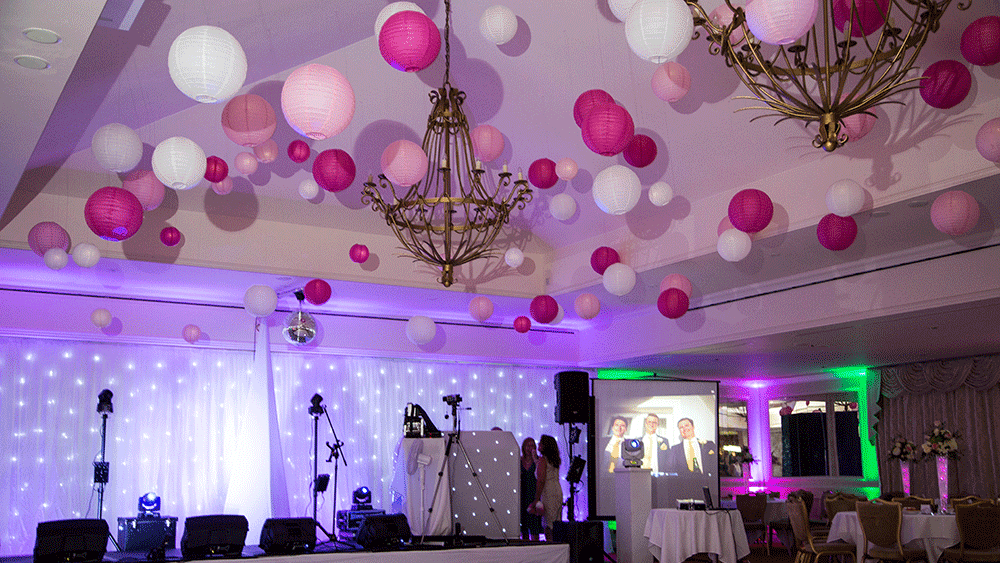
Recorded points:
(677, 423)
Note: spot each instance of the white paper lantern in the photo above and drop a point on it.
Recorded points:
(420, 330)
(845, 198)
(513, 257)
(56, 258)
(308, 189)
(781, 22)
(498, 24)
(560, 315)
(116, 147)
(660, 194)
(260, 300)
(391, 10)
(179, 163)
(562, 207)
(616, 189)
(733, 245)
(566, 169)
(620, 8)
(101, 318)
(618, 279)
(86, 255)
(191, 333)
(207, 64)
(658, 30)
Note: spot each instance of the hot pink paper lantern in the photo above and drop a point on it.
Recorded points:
(835, 232)
(170, 236)
(487, 142)
(333, 170)
(215, 169)
(409, 41)
(955, 213)
(266, 152)
(146, 186)
(248, 120)
(673, 303)
(678, 281)
(781, 22)
(751, 210)
(191, 333)
(588, 101)
(988, 140)
(671, 81)
(223, 187)
(608, 129)
(544, 309)
(869, 15)
(46, 235)
(113, 213)
(981, 41)
(299, 151)
(359, 253)
(246, 163)
(542, 173)
(522, 324)
(318, 102)
(404, 163)
(640, 151)
(481, 308)
(603, 257)
(317, 291)
(587, 305)
(945, 84)
(858, 125)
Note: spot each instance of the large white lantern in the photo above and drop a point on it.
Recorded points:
(116, 147)
(562, 207)
(733, 245)
(618, 279)
(498, 24)
(420, 330)
(616, 189)
(658, 30)
(260, 300)
(179, 163)
(845, 198)
(207, 64)
(620, 8)
(391, 10)
(781, 22)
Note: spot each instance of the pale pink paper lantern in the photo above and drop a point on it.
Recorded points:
(333, 170)
(215, 169)
(587, 305)
(146, 187)
(981, 41)
(299, 151)
(248, 120)
(945, 84)
(318, 102)
(671, 81)
(869, 15)
(781, 22)
(487, 142)
(223, 187)
(404, 163)
(608, 129)
(246, 163)
(191, 333)
(481, 308)
(542, 173)
(266, 152)
(955, 213)
(835, 232)
(640, 151)
(101, 318)
(751, 210)
(359, 253)
(588, 101)
(113, 213)
(988, 140)
(566, 169)
(678, 281)
(723, 17)
(409, 41)
(522, 324)
(46, 235)
(858, 125)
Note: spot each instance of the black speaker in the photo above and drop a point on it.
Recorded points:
(81, 539)
(288, 535)
(585, 539)
(572, 397)
(216, 534)
(381, 531)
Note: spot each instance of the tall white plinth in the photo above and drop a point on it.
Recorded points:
(633, 501)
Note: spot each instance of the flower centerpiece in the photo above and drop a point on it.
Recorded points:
(942, 445)
(742, 456)
(905, 452)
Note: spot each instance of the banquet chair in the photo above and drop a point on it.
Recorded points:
(783, 526)
(979, 530)
(971, 499)
(913, 501)
(839, 503)
(752, 508)
(809, 548)
(880, 526)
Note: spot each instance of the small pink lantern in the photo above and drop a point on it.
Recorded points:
(113, 213)
(409, 41)
(955, 213)
(723, 17)
(246, 163)
(567, 168)
(146, 186)
(678, 281)
(248, 120)
(317, 291)
(359, 253)
(299, 151)
(981, 41)
(487, 142)
(608, 129)
(266, 152)
(522, 324)
(215, 170)
(945, 84)
(223, 187)
(640, 151)
(869, 15)
(858, 125)
(333, 170)
(781, 22)
(404, 163)
(751, 210)
(673, 303)
(988, 140)
(603, 257)
(835, 232)
(587, 305)
(544, 309)
(170, 236)
(318, 102)
(671, 81)
(481, 308)
(542, 173)
(588, 101)
(191, 333)
(46, 235)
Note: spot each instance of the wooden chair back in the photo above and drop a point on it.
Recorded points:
(881, 523)
(971, 499)
(913, 501)
(799, 519)
(751, 507)
(838, 503)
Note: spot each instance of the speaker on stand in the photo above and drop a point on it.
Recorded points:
(572, 397)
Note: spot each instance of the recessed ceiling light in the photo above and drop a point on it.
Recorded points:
(917, 203)
(32, 62)
(39, 35)
(880, 213)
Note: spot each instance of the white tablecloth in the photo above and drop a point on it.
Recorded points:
(936, 532)
(674, 535)
(776, 509)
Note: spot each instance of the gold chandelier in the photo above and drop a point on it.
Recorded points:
(828, 74)
(449, 218)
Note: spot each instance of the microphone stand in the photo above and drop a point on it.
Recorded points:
(336, 452)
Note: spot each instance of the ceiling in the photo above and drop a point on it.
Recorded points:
(112, 68)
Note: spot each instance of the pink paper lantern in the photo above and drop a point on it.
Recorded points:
(858, 125)
(404, 163)
(46, 235)
(113, 213)
(567, 168)
(223, 187)
(299, 151)
(487, 142)
(751, 210)
(481, 308)
(988, 140)
(608, 129)
(409, 41)
(318, 102)
(542, 173)
(170, 236)
(678, 281)
(955, 213)
(146, 186)
(587, 305)
(640, 151)
(835, 232)
(317, 291)
(945, 84)
(248, 120)
(869, 15)
(544, 309)
(671, 81)
(191, 333)
(673, 303)
(522, 324)
(359, 253)
(780, 22)
(266, 152)
(981, 41)
(603, 257)
(333, 170)
(215, 169)
(246, 163)
(588, 101)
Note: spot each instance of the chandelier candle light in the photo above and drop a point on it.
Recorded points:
(449, 218)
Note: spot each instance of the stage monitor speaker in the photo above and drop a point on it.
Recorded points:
(585, 539)
(288, 535)
(572, 397)
(381, 531)
(217, 534)
(77, 540)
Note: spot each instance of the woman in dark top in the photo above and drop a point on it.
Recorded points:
(531, 524)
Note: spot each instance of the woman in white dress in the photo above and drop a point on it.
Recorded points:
(548, 489)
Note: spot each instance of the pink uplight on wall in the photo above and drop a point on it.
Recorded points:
(409, 41)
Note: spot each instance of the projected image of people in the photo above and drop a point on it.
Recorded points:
(688, 457)
(656, 449)
(619, 425)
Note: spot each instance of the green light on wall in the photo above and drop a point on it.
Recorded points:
(623, 374)
(850, 372)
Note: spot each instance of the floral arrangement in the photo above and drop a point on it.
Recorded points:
(941, 442)
(743, 456)
(903, 449)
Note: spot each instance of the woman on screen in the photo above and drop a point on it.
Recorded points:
(549, 491)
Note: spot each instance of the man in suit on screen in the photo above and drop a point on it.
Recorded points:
(692, 456)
